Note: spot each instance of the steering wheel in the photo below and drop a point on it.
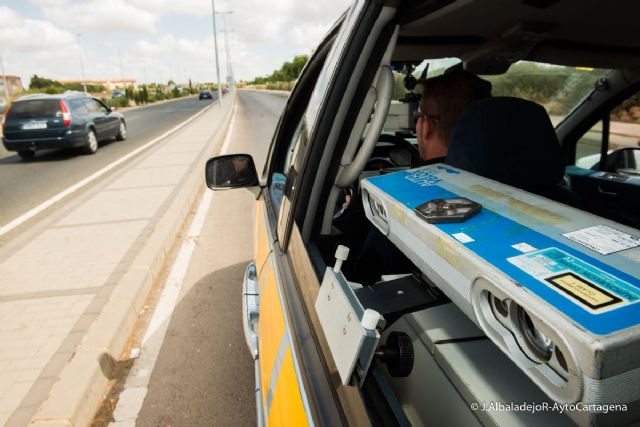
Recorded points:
(376, 164)
(398, 142)
(402, 143)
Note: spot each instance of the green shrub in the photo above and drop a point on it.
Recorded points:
(110, 102)
(144, 94)
(52, 90)
(120, 102)
(279, 85)
(288, 73)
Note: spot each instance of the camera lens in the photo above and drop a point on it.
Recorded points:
(498, 306)
(538, 343)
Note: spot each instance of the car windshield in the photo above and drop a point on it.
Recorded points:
(559, 89)
(34, 108)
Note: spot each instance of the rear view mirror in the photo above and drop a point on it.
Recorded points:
(231, 171)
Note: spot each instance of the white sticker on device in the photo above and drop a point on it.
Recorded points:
(525, 248)
(463, 238)
(603, 239)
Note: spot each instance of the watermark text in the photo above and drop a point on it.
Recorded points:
(534, 407)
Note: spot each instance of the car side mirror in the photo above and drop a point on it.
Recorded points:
(114, 108)
(624, 160)
(231, 171)
(627, 160)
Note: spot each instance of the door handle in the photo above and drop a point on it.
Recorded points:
(608, 193)
(250, 308)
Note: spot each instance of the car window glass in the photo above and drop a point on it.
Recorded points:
(278, 178)
(91, 106)
(100, 107)
(34, 108)
(297, 139)
(559, 89)
(588, 147)
(624, 133)
(77, 105)
(334, 55)
(285, 170)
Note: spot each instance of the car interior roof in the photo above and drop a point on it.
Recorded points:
(489, 35)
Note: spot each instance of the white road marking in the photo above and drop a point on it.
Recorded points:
(136, 386)
(50, 202)
(169, 297)
(227, 140)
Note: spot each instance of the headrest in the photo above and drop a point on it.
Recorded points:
(510, 140)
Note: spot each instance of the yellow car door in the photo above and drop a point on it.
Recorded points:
(281, 394)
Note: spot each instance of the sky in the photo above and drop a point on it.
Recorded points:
(158, 40)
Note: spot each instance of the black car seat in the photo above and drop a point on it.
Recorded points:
(511, 140)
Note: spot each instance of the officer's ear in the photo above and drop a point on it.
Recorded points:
(424, 128)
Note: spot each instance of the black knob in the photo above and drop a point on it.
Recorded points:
(397, 354)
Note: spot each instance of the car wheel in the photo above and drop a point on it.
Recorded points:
(26, 154)
(122, 133)
(92, 142)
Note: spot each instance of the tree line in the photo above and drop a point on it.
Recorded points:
(143, 94)
(283, 77)
(43, 84)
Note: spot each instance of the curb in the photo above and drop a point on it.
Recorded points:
(78, 393)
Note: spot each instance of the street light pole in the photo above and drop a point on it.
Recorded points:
(230, 79)
(84, 82)
(215, 43)
(144, 65)
(121, 69)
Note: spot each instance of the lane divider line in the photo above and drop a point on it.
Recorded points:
(227, 140)
(136, 385)
(51, 201)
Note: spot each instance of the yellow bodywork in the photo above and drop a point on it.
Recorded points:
(282, 393)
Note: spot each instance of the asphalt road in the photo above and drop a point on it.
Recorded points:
(24, 185)
(204, 375)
